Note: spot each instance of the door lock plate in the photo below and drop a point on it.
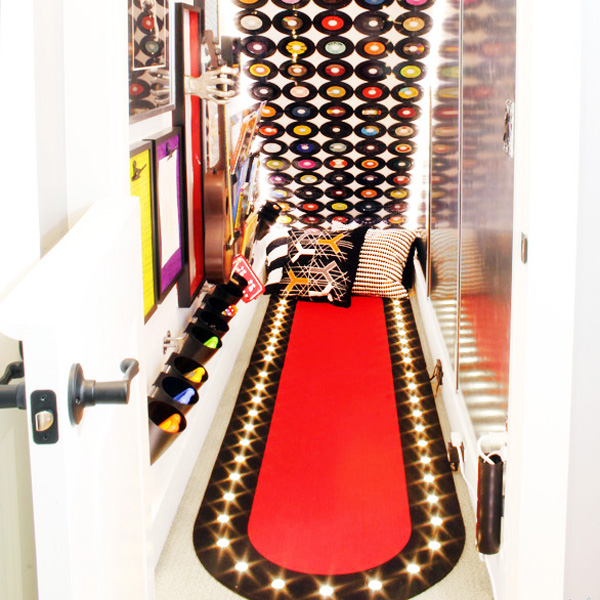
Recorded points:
(44, 418)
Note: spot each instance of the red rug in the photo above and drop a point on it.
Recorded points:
(331, 495)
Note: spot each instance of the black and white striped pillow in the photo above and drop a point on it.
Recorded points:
(276, 262)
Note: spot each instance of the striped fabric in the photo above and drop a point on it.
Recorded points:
(276, 259)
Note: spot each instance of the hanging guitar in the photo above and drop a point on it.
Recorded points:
(219, 85)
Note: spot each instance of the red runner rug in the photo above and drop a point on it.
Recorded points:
(331, 495)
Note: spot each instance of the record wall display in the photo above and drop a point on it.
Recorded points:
(343, 86)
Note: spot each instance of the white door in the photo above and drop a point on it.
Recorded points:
(82, 303)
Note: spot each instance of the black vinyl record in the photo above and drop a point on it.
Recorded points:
(373, 4)
(368, 206)
(416, 4)
(262, 70)
(395, 220)
(299, 91)
(290, 3)
(271, 130)
(410, 72)
(412, 48)
(312, 219)
(265, 91)
(301, 111)
(368, 196)
(274, 147)
(397, 194)
(370, 130)
(335, 47)
(249, 3)
(400, 164)
(413, 23)
(338, 163)
(286, 219)
(372, 111)
(336, 91)
(371, 147)
(258, 46)
(403, 131)
(312, 193)
(281, 193)
(339, 193)
(337, 178)
(373, 23)
(336, 110)
(302, 130)
(252, 22)
(277, 164)
(343, 218)
(336, 129)
(332, 4)
(338, 146)
(405, 112)
(397, 179)
(308, 178)
(307, 163)
(296, 47)
(279, 179)
(396, 206)
(374, 47)
(372, 70)
(368, 219)
(291, 22)
(270, 111)
(138, 89)
(305, 147)
(402, 148)
(370, 179)
(298, 70)
(370, 163)
(407, 92)
(335, 70)
(375, 92)
(339, 206)
(332, 22)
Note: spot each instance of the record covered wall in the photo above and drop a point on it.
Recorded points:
(341, 84)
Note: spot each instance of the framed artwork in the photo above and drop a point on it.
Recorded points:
(142, 185)
(189, 28)
(151, 87)
(168, 209)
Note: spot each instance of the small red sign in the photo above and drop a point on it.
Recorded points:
(255, 286)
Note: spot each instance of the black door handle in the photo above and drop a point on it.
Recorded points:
(13, 396)
(84, 393)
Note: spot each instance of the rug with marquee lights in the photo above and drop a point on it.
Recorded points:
(332, 480)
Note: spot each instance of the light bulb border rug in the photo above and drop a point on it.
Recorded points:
(438, 535)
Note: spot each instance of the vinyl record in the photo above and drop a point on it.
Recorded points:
(336, 110)
(445, 131)
(412, 48)
(370, 179)
(291, 22)
(332, 22)
(335, 70)
(443, 148)
(343, 218)
(370, 163)
(302, 130)
(249, 3)
(311, 194)
(450, 49)
(370, 131)
(337, 163)
(402, 148)
(139, 89)
(368, 219)
(400, 164)
(416, 4)
(404, 92)
(298, 70)
(339, 206)
(299, 91)
(280, 193)
(296, 47)
(277, 164)
(395, 220)
(341, 146)
(395, 206)
(312, 219)
(374, 47)
(285, 207)
(368, 206)
(258, 46)
(271, 130)
(307, 163)
(405, 112)
(301, 111)
(332, 4)
(339, 193)
(286, 219)
(373, 4)
(137, 104)
(265, 91)
(372, 111)
(446, 112)
(295, 4)
(403, 131)
(151, 47)
(373, 23)
(335, 91)
(410, 72)
(442, 164)
(270, 111)
(375, 92)
(335, 47)
(397, 194)
(274, 148)
(261, 70)
(308, 178)
(396, 179)
(279, 179)
(146, 23)
(413, 23)
(371, 147)
(339, 178)
(336, 129)
(305, 147)
(252, 22)
(372, 70)
(369, 194)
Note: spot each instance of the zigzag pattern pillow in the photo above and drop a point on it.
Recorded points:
(322, 265)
